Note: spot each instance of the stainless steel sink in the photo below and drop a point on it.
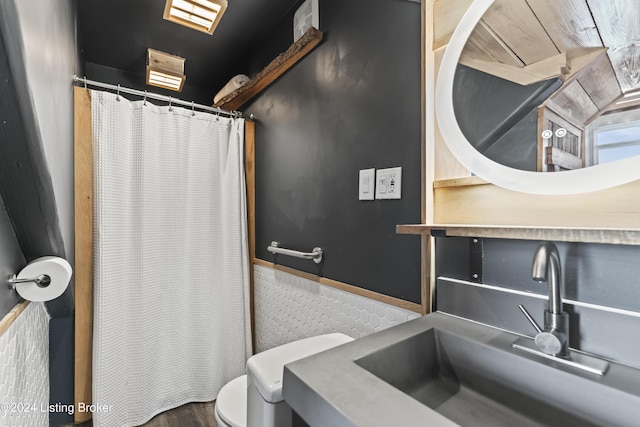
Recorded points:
(477, 379)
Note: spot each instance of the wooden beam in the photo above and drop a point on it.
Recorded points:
(564, 159)
(568, 22)
(573, 104)
(492, 47)
(83, 207)
(582, 59)
(617, 24)
(271, 72)
(533, 73)
(517, 26)
(250, 179)
(12, 316)
(446, 15)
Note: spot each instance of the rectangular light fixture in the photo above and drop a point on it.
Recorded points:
(201, 15)
(165, 70)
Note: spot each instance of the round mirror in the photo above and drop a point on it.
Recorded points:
(543, 96)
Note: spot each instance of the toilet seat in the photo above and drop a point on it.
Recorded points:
(231, 404)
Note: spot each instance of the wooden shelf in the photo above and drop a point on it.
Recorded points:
(460, 182)
(559, 234)
(271, 72)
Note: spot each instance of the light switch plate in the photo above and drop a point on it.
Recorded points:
(389, 183)
(367, 184)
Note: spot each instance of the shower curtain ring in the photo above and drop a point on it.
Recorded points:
(193, 111)
(118, 94)
(145, 98)
(85, 82)
(217, 115)
(170, 109)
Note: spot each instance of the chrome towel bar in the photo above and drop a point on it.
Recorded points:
(315, 255)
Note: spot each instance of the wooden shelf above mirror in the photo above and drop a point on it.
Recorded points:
(271, 72)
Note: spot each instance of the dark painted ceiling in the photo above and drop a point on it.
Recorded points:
(117, 33)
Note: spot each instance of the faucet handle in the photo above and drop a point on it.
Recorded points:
(549, 342)
(529, 318)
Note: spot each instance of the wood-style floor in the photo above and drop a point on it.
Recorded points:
(189, 415)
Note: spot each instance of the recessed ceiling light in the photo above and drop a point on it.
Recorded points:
(201, 15)
(165, 70)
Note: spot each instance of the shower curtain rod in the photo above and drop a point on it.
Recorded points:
(150, 95)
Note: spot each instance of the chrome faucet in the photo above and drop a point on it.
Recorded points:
(554, 339)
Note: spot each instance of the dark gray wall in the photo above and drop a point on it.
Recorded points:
(49, 26)
(11, 261)
(26, 186)
(353, 103)
(593, 273)
(114, 76)
(599, 274)
(499, 117)
(38, 57)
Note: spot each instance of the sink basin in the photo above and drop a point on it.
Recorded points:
(444, 371)
(485, 382)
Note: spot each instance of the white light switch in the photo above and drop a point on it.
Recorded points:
(367, 183)
(389, 183)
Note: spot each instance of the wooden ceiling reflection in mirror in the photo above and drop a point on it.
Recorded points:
(588, 47)
(528, 41)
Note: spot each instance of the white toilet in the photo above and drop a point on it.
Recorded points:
(255, 399)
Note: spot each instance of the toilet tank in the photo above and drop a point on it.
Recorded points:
(265, 406)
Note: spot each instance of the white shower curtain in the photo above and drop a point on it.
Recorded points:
(171, 302)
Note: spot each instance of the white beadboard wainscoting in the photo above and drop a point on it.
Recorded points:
(288, 308)
(24, 369)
